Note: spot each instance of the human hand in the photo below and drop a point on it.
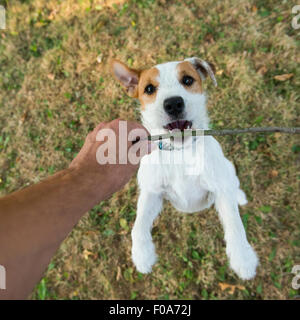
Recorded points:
(114, 175)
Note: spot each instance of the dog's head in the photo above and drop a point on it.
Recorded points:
(171, 94)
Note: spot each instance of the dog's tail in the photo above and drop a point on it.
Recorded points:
(241, 197)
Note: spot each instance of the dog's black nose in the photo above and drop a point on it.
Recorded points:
(174, 106)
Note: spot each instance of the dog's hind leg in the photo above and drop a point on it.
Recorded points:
(143, 250)
(242, 257)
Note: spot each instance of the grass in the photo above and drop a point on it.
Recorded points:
(53, 91)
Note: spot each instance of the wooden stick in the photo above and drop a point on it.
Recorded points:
(201, 132)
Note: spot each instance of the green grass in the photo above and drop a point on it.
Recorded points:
(53, 92)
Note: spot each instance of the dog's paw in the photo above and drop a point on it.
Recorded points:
(243, 262)
(143, 256)
(241, 197)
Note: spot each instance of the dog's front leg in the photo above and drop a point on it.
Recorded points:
(242, 257)
(143, 250)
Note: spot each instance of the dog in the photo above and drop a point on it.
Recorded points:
(172, 98)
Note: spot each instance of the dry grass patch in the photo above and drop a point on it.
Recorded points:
(53, 90)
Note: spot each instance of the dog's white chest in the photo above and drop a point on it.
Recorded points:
(178, 181)
(185, 191)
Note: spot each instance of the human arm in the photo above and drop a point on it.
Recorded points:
(35, 220)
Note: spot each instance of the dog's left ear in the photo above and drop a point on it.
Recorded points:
(204, 68)
(129, 78)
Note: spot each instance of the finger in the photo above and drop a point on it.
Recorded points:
(145, 147)
(100, 126)
(134, 125)
(137, 133)
(91, 136)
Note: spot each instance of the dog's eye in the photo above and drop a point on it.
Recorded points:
(150, 89)
(187, 80)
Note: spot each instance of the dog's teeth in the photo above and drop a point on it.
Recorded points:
(179, 124)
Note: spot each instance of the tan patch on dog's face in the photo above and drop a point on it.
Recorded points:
(186, 69)
(147, 77)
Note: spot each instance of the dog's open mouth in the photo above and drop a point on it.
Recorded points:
(179, 124)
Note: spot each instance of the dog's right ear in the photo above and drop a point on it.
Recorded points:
(129, 78)
(204, 68)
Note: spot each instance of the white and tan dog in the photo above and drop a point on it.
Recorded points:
(172, 97)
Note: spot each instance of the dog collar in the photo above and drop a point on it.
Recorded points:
(170, 146)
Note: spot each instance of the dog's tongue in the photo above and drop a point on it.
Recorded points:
(179, 124)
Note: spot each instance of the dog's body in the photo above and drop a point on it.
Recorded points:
(172, 97)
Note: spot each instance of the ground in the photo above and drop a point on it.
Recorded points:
(55, 87)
